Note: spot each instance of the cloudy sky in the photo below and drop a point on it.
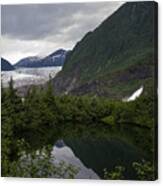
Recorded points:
(39, 29)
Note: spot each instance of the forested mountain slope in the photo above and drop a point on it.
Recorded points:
(116, 58)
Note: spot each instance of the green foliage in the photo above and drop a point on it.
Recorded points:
(11, 125)
(42, 118)
(144, 170)
(109, 120)
(41, 164)
(116, 174)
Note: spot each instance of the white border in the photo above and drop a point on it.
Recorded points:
(47, 182)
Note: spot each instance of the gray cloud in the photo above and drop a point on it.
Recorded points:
(48, 26)
(38, 21)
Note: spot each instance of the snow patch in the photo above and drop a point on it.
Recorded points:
(135, 95)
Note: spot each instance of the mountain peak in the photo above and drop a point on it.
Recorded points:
(57, 58)
(58, 52)
(6, 65)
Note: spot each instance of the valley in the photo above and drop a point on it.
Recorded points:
(89, 112)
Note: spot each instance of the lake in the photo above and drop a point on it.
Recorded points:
(92, 149)
(92, 156)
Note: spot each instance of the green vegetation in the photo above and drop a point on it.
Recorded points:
(39, 164)
(107, 65)
(144, 171)
(116, 58)
(116, 174)
(41, 118)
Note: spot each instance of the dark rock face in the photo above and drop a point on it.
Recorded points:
(5, 65)
(55, 59)
(115, 58)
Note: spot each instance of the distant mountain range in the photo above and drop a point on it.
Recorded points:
(5, 65)
(57, 58)
(116, 58)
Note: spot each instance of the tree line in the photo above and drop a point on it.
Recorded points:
(29, 123)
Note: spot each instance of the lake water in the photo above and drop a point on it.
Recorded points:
(90, 155)
(29, 76)
(93, 156)
(63, 152)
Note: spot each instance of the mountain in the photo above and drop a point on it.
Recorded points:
(55, 59)
(5, 65)
(32, 61)
(116, 58)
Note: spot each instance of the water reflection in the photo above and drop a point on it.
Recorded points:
(64, 153)
(92, 156)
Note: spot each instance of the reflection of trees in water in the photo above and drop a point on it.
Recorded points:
(99, 154)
